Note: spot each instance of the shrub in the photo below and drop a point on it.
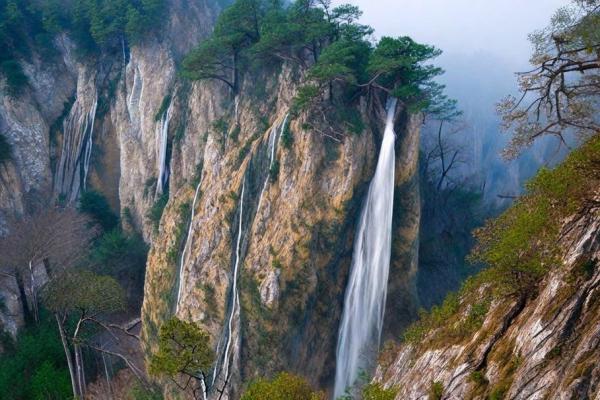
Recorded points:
(287, 139)
(5, 150)
(436, 391)
(284, 386)
(35, 367)
(164, 106)
(96, 206)
(374, 391)
(156, 211)
(16, 79)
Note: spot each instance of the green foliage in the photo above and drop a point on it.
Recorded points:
(35, 367)
(287, 138)
(517, 248)
(436, 391)
(307, 95)
(81, 289)
(284, 386)
(138, 392)
(183, 348)
(164, 105)
(16, 79)
(519, 245)
(96, 206)
(397, 64)
(374, 391)
(261, 32)
(5, 150)
(156, 211)
(120, 255)
(49, 383)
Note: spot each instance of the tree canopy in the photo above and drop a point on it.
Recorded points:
(284, 386)
(327, 41)
(560, 94)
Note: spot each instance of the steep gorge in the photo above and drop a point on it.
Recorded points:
(127, 126)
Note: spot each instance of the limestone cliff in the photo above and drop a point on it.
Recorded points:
(258, 198)
(543, 348)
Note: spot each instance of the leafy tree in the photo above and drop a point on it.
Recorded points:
(560, 94)
(85, 297)
(284, 386)
(396, 66)
(96, 206)
(184, 355)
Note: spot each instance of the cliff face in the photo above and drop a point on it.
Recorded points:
(255, 242)
(546, 348)
(283, 215)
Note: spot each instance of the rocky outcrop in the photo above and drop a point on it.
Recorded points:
(541, 349)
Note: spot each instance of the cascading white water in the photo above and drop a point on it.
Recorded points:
(76, 152)
(233, 320)
(162, 132)
(188, 243)
(364, 302)
(273, 140)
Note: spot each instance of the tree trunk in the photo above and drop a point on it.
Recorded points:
(79, 369)
(63, 339)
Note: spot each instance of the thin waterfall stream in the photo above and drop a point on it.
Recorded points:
(364, 302)
(235, 301)
(162, 133)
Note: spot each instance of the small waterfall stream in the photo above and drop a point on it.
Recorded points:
(76, 153)
(364, 302)
(186, 247)
(273, 141)
(162, 133)
(234, 315)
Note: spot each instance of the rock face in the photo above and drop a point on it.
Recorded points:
(546, 348)
(298, 205)
(255, 242)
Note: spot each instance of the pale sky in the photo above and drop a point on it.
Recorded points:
(499, 27)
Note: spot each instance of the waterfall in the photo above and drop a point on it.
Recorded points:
(273, 140)
(76, 153)
(162, 133)
(234, 317)
(188, 243)
(364, 302)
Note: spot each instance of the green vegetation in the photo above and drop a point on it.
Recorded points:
(156, 211)
(518, 248)
(96, 206)
(436, 391)
(287, 138)
(284, 386)
(95, 25)
(327, 41)
(374, 391)
(34, 367)
(5, 150)
(184, 353)
(164, 106)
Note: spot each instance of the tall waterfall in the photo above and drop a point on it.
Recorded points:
(162, 132)
(364, 303)
(76, 152)
(234, 315)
